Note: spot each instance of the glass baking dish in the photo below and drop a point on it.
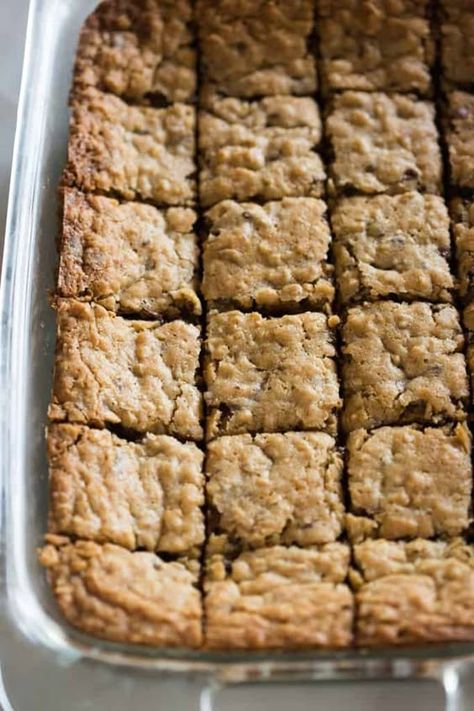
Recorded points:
(27, 346)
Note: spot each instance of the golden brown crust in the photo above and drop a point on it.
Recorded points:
(460, 138)
(269, 374)
(422, 591)
(109, 592)
(457, 41)
(135, 152)
(383, 144)
(402, 363)
(392, 246)
(146, 494)
(271, 256)
(139, 49)
(138, 374)
(279, 598)
(411, 482)
(129, 257)
(259, 149)
(276, 488)
(371, 45)
(255, 48)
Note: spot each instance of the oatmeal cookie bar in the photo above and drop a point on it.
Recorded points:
(462, 214)
(129, 257)
(275, 488)
(375, 45)
(457, 41)
(383, 144)
(402, 363)
(271, 256)
(270, 374)
(137, 374)
(411, 481)
(460, 138)
(131, 151)
(421, 591)
(145, 494)
(278, 598)
(392, 245)
(140, 49)
(259, 149)
(255, 48)
(123, 596)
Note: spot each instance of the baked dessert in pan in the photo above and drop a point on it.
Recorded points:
(259, 429)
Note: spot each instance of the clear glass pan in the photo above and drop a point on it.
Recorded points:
(27, 343)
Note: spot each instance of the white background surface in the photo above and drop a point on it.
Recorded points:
(158, 694)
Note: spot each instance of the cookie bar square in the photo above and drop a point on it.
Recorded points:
(135, 152)
(137, 374)
(457, 42)
(462, 215)
(392, 246)
(402, 363)
(259, 149)
(123, 596)
(256, 48)
(375, 45)
(460, 138)
(270, 374)
(129, 257)
(278, 598)
(411, 481)
(383, 144)
(420, 591)
(270, 256)
(275, 488)
(139, 49)
(145, 494)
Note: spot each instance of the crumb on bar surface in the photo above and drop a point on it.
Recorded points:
(255, 48)
(420, 591)
(139, 49)
(460, 138)
(137, 374)
(375, 45)
(457, 41)
(129, 257)
(402, 363)
(278, 598)
(392, 245)
(270, 256)
(411, 482)
(261, 149)
(145, 494)
(123, 596)
(276, 488)
(135, 152)
(270, 374)
(382, 144)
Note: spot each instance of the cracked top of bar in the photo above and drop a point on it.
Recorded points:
(259, 149)
(129, 257)
(383, 144)
(278, 598)
(460, 138)
(270, 256)
(457, 42)
(257, 48)
(140, 49)
(134, 152)
(402, 363)
(270, 374)
(411, 481)
(392, 245)
(375, 45)
(144, 494)
(276, 488)
(421, 591)
(134, 597)
(137, 374)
